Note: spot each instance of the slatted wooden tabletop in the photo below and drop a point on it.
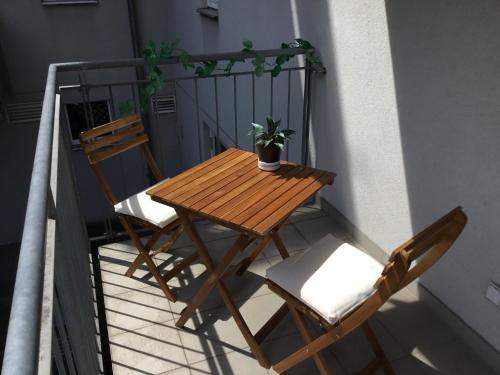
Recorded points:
(230, 189)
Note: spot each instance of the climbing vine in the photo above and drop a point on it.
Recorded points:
(153, 55)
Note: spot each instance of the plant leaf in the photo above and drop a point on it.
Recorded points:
(276, 70)
(259, 70)
(247, 45)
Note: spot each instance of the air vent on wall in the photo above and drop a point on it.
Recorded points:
(23, 112)
(163, 104)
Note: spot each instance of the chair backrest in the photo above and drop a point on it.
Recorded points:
(427, 247)
(108, 140)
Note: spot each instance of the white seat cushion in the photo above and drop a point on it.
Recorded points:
(331, 277)
(143, 207)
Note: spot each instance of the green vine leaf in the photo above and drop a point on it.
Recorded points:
(247, 45)
(165, 50)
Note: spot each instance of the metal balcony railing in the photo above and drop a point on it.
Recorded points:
(53, 324)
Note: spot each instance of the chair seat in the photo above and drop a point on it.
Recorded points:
(143, 207)
(331, 277)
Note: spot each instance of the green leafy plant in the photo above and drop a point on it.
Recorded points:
(155, 80)
(273, 136)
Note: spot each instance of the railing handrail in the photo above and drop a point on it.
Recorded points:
(21, 347)
(123, 63)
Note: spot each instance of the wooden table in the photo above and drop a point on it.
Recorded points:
(230, 190)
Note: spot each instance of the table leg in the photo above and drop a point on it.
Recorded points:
(279, 244)
(245, 263)
(214, 280)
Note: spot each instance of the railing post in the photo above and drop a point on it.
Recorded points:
(306, 114)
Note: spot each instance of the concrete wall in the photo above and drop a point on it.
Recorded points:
(31, 37)
(407, 115)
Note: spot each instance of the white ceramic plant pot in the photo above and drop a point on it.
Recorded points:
(268, 166)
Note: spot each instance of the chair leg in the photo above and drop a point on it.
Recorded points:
(308, 338)
(381, 359)
(170, 242)
(143, 254)
(267, 328)
(140, 258)
(159, 279)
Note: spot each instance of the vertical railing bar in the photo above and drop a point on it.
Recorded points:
(272, 95)
(253, 109)
(87, 96)
(235, 113)
(134, 98)
(288, 112)
(217, 125)
(198, 117)
(82, 92)
(305, 114)
(112, 100)
(156, 106)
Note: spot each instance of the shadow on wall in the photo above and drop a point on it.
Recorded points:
(328, 145)
(447, 73)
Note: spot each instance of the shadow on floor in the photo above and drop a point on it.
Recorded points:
(144, 339)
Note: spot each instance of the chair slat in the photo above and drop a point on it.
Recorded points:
(107, 128)
(103, 155)
(113, 138)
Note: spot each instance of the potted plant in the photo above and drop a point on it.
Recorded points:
(270, 143)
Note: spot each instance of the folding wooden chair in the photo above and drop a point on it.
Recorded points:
(105, 141)
(341, 287)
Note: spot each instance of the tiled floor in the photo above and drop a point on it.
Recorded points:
(144, 339)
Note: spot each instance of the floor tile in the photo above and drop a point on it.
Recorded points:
(411, 323)
(213, 332)
(314, 230)
(234, 363)
(354, 351)
(241, 288)
(279, 349)
(307, 212)
(453, 358)
(136, 309)
(412, 366)
(115, 282)
(292, 239)
(152, 350)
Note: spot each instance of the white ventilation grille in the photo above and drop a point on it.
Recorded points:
(163, 104)
(22, 112)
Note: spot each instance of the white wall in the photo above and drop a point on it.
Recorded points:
(407, 115)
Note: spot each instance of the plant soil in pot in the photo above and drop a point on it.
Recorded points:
(270, 143)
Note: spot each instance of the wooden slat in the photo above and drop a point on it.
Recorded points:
(273, 192)
(259, 180)
(103, 155)
(112, 138)
(107, 128)
(207, 179)
(286, 209)
(223, 191)
(219, 182)
(191, 174)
